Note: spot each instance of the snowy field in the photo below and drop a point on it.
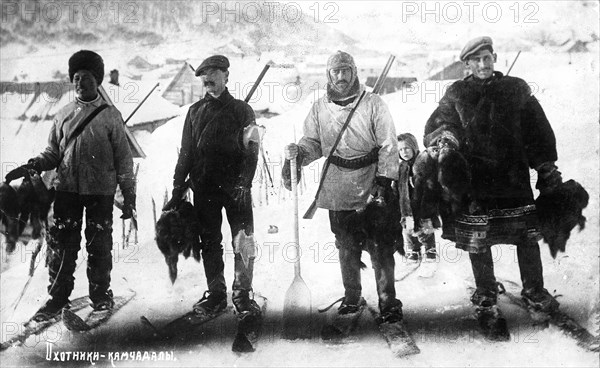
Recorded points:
(437, 310)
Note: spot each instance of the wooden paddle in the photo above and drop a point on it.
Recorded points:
(297, 305)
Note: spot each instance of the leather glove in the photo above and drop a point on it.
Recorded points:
(128, 203)
(447, 139)
(290, 151)
(23, 170)
(549, 178)
(176, 198)
(242, 196)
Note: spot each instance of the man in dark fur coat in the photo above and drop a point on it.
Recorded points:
(488, 131)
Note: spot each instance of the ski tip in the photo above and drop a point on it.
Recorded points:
(73, 322)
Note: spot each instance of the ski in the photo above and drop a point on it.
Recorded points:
(406, 268)
(565, 323)
(396, 335)
(95, 318)
(338, 329)
(249, 329)
(186, 322)
(35, 328)
(427, 268)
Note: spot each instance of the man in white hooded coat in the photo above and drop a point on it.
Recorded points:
(365, 162)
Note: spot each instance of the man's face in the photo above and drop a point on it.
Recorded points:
(86, 86)
(341, 78)
(214, 80)
(481, 64)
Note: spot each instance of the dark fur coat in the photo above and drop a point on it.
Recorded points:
(482, 140)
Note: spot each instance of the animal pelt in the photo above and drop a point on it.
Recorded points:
(378, 222)
(27, 203)
(442, 181)
(177, 232)
(559, 212)
(9, 215)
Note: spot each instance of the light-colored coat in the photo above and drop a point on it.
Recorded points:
(100, 157)
(371, 126)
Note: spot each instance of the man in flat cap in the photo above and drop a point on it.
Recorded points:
(500, 129)
(89, 149)
(220, 161)
(364, 163)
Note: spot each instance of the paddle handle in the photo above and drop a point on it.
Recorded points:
(294, 178)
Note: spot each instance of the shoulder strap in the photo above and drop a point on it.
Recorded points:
(335, 144)
(80, 129)
(339, 137)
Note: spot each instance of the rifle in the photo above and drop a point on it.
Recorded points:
(376, 89)
(247, 99)
(513, 63)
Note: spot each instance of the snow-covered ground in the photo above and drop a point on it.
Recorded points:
(437, 310)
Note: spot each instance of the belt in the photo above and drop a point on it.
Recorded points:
(356, 163)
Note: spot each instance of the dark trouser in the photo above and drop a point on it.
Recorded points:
(209, 204)
(382, 258)
(64, 241)
(530, 266)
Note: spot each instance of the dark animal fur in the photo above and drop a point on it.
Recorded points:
(559, 212)
(30, 203)
(442, 184)
(455, 178)
(177, 233)
(379, 222)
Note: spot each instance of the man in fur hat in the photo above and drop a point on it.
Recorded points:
(89, 167)
(365, 162)
(501, 130)
(220, 157)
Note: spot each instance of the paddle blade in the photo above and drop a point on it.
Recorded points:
(297, 317)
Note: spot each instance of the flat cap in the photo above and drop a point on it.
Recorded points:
(475, 45)
(215, 61)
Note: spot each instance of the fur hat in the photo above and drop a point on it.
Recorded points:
(87, 60)
(476, 44)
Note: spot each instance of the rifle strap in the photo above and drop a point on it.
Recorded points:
(79, 130)
(335, 144)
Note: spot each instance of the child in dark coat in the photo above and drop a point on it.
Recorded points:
(416, 231)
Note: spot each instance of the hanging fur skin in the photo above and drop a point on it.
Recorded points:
(378, 222)
(28, 202)
(559, 212)
(177, 233)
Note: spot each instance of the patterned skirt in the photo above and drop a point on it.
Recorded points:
(476, 233)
